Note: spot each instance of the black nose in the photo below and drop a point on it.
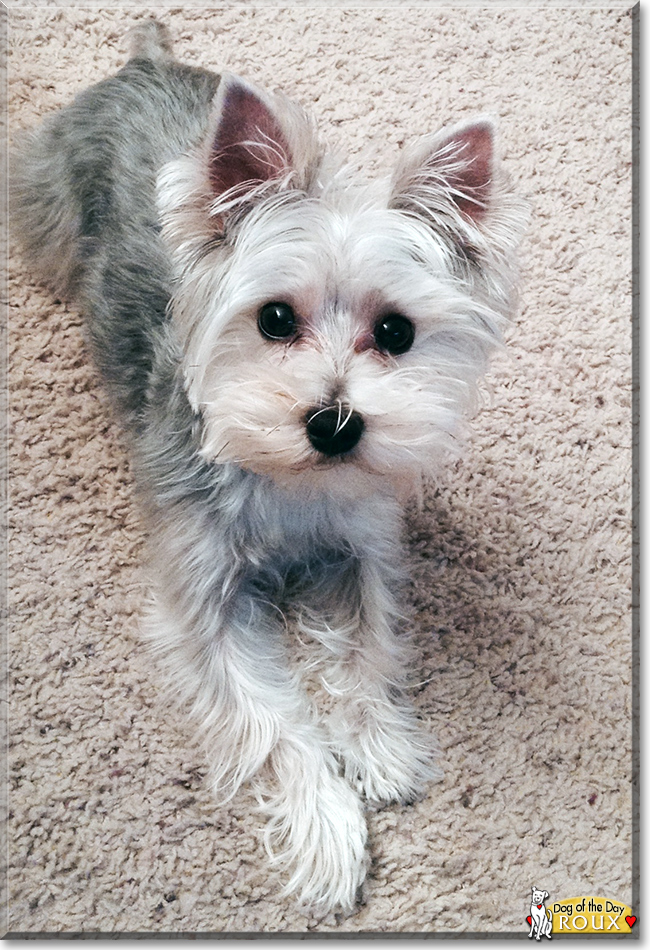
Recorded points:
(334, 430)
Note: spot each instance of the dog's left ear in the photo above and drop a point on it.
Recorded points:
(454, 182)
(452, 171)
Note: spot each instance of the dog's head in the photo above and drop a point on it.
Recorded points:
(538, 897)
(334, 331)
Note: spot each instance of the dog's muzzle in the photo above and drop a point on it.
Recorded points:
(334, 430)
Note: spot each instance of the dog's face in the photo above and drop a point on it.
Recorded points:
(538, 897)
(333, 333)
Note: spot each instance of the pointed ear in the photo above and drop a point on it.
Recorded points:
(471, 148)
(256, 145)
(449, 173)
(249, 145)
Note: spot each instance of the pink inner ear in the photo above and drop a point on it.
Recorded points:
(249, 146)
(474, 147)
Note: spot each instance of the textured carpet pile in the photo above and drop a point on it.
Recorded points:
(520, 559)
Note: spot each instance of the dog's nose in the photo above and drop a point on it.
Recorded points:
(334, 430)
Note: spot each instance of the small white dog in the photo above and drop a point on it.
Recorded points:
(540, 924)
(289, 348)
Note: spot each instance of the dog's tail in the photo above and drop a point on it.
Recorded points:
(150, 40)
(58, 195)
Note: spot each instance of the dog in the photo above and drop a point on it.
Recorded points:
(291, 350)
(540, 924)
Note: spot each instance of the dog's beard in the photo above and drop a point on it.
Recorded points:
(254, 400)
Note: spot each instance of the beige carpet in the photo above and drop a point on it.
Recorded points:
(521, 561)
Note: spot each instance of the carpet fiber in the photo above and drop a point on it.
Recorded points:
(521, 577)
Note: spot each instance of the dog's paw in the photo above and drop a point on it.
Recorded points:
(402, 779)
(317, 833)
(390, 760)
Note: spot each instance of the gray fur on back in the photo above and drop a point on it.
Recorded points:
(83, 190)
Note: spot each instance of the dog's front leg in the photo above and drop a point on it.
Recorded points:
(258, 724)
(373, 728)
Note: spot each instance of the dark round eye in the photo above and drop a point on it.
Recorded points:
(394, 333)
(277, 321)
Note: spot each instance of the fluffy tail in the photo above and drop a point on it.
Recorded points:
(57, 197)
(150, 40)
(43, 213)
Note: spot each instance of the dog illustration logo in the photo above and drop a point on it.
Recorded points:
(540, 920)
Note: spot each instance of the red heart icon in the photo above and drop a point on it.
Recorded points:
(630, 921)
(539, 907)
(530, 920)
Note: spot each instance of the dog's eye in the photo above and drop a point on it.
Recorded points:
(277, 321)
(394, 334)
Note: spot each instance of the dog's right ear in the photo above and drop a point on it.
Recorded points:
(249, 145)
(259, 143)
(256, 145)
